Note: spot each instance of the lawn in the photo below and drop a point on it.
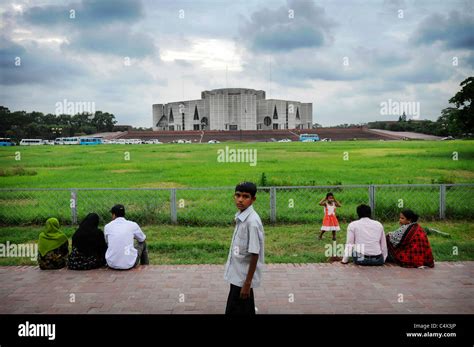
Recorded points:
(196, 165)
(283, 244)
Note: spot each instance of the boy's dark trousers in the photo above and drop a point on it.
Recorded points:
(238, 306)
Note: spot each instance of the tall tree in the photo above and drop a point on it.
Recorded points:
(464, 118)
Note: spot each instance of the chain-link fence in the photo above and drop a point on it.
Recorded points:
(215, 206)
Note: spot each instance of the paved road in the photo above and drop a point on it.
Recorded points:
(293, 289)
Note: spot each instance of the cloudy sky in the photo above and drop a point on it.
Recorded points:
(346, 57)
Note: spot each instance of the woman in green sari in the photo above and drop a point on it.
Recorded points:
(53, 246)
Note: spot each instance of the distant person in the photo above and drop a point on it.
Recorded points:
(408, 246)
(365, 240)
(244, 265)
(330, 222)
(88, 245)
(53, 246)
(126, 242)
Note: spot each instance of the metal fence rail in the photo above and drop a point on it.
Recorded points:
(215, 206)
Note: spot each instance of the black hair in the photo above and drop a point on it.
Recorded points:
(329, 194)
(410, 215)
(364, 211)
(246, 187)
(118, 210)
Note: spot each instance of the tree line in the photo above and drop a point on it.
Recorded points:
(21, 125)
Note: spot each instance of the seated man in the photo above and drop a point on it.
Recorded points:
(122, 252)
(368, 237)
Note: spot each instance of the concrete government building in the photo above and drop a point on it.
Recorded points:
(232, 109)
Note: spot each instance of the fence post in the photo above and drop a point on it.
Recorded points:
(273, 204)
(442, 201)
(174, 215)
(73, 205)
(372, 199)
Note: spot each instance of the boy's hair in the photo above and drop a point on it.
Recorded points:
(364, 211)
(410, 215)
(329, 194)
(246, 187)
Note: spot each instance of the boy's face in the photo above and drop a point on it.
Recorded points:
(243, 200)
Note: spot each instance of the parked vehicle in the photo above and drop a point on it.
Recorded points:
(309, 137)
(285, 140)
(6, 141)
(31, 142)
(87, 141)
(70, 141)
(213, 141)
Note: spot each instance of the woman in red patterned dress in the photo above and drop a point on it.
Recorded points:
(408, 246)
(330, 222)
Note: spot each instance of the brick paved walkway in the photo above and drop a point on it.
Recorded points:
(308, 288)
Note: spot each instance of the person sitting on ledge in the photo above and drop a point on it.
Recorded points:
(53, 247)
(88, 245)
(369, 238)
(126, 242)
(408, 246)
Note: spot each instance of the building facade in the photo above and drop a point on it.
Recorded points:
(232, 109)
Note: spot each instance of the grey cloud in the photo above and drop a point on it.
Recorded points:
(36, 65)
(87, 13)
(272, 30)
(454, 30)
(113, 40)
(102, 26)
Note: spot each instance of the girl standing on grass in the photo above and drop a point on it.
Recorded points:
(330, 221)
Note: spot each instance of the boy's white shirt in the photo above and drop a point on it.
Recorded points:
(248, 239)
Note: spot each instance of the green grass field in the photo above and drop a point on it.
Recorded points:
(196, 165)
(283, 244)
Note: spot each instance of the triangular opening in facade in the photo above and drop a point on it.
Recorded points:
(196, 113)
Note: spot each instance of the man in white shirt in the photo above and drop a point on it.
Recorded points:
(126, 246)
(367, 237)
(244, 265)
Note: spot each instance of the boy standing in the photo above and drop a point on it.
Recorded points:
(246, 255)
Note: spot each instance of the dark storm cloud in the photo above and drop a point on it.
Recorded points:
(273, 30)
(455, 30)
(86, 13)
(101, 26)
(36, 65)
(114, 41)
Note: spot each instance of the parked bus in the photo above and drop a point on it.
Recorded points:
(6, 142)
(90, 141)
(309, 137)
(31, 142)
(70, 140)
